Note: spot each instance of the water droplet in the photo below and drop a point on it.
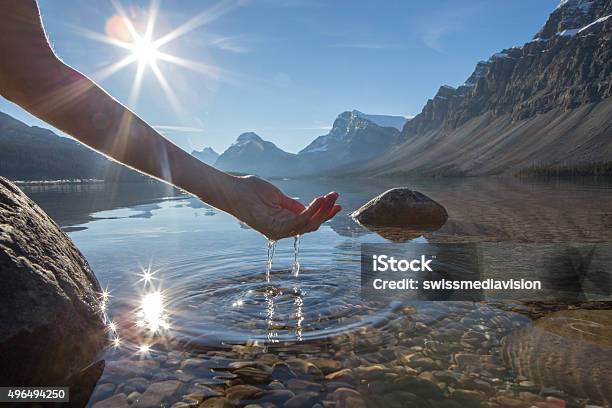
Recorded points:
(295, 269)
(271, 248)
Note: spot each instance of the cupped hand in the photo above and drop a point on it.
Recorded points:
(266, 209)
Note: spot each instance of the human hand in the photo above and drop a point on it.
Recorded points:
(266, 209)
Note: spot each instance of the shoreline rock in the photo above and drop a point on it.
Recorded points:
(400, 214)
(569, 349)
(51, 326)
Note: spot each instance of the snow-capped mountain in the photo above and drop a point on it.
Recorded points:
(355, 136)
(572, 15)
(251, 154)
(206, 155)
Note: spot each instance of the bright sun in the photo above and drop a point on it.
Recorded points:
(144, 51)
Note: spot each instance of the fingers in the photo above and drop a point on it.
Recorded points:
(319, 211)
(292, 205)
(324, 213)
(321, 215)
(335, 210)
(305, 216)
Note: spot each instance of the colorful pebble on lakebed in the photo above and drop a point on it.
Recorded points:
(443, 355)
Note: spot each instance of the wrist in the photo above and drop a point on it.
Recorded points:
(219, 190)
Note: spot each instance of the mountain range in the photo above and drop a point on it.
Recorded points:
(544, 105)
(207, 155)
(354, 136)
(34, 153)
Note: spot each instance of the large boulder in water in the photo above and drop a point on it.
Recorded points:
(570, 350)
(51, 325)
(402, 208)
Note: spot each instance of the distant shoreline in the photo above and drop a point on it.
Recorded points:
(61, 181)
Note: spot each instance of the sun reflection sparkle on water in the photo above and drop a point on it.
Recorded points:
(151, 318)
(146, 321)
(152, 312)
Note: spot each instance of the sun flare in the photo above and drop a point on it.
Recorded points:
(144, 51)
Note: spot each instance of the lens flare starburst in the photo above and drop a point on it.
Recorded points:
(146, 51)
(146, 275)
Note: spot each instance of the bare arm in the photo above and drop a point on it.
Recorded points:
(33, 77)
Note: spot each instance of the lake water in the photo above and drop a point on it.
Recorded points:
(194, 318)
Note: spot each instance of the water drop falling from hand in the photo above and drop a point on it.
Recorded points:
(295, 269)
(271, 248)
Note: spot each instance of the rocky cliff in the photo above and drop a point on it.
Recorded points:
(519, 106)
(354, 137)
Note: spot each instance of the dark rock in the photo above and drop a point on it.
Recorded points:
(282, 372)
(131, 368)
(242, 392)
(447, 377)
(402, 208)
(216, 402)
(419, 386)
(252, 375)
(348, 398)
(302, 400)
(334, 385)
(296, 385)
(276, 397)
(157, 394)
(276, 385)
(373, 372)
(199, 390)
(471, 362)
(326, 365)
(103, 391)
(116, 401)
(468, 396)
(133, 396)
(51, 326)
(570, 350)
(342, 375)
(193, 365)
(140, 384)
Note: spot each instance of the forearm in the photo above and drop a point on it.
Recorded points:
(76, 105)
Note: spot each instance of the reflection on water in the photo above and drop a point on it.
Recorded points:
(212, 311)
(152, 313)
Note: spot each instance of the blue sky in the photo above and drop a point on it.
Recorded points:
(285, 69)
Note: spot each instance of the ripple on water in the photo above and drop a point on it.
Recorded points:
(212, 301)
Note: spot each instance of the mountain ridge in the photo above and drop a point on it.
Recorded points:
(207, 155)
(354, 136)
(31, 153)
(519, 108)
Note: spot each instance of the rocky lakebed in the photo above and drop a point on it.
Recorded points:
(427, 355)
